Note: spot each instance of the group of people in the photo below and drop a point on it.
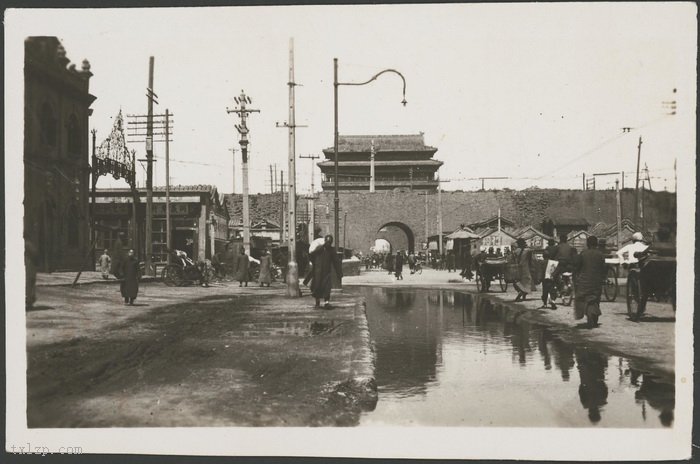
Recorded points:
(393, 263)
(588, 269)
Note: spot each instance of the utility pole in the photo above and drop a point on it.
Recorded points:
(292, 267)
(439, 217)
(618, 214)
(283, 228)
(149, 171)
(276, 184)
(242, 129)
(636, 184)
(311, 202)
(312, 158)
(167, 184)
(371, 167)
(272, 186)
(233, 170)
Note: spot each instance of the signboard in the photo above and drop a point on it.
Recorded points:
(115, 209)
(176, 209)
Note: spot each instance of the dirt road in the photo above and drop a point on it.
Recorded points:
(218, 356)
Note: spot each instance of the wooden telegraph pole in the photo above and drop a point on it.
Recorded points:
(636, 183)
(243, 112)
(149, 171)
(311, 202)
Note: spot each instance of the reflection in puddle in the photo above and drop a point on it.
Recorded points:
(451, 358)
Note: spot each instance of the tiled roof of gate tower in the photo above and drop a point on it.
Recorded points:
(397, 142)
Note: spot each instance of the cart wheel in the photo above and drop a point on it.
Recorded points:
(610, 288)
(502, 283)
(567, 294)
(633, 296)
(172, 275)
(479, 282)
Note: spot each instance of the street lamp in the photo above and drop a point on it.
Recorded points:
(336, 199)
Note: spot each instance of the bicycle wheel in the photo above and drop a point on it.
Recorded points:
(610, 288)
(633, 296)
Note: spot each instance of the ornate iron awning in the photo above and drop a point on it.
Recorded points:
(113, 156)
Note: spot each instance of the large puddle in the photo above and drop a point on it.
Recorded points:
(455, 359)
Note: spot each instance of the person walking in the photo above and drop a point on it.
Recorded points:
(242, 268)
(589, 272)
(265, 269)
(130, 272)
(548, 288)
(389, 263)
(451, 261)
(523, 258)
(105, 263)
(324, 262)
(412, 262)
(398, 266)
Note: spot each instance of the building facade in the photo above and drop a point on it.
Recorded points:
(198, 218)
(398, 162)
(56, 155)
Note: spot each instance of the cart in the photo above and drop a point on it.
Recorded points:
(653, 277)
(495, 268)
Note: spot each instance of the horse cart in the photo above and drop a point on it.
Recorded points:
(653, 277)
(490, 270)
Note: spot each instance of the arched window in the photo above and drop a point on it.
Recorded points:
(73, 136)
(72, 229)
(48, 125)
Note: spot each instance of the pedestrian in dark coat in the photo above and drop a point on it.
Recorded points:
(242, 268)
(324, 261)
(523, 258)
(589, 272)
(130, 273)
(265, 269)
(398, 266)
(389, 263)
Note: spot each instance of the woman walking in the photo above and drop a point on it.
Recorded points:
(523, 258)
(265, 269)
(130, 273)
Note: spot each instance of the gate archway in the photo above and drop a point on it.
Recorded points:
(398, 234)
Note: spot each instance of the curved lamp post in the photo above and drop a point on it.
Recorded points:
(336, 199)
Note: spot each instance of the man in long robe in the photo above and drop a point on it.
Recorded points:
(589, 273)
(324, 262)
(130, 273)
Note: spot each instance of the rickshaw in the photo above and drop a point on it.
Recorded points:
(654, 276)
(183, 271)
(496, 268)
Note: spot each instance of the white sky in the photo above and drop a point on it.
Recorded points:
(519, 90)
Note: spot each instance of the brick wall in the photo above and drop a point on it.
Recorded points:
(368, 212)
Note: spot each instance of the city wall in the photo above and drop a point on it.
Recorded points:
(368, 212)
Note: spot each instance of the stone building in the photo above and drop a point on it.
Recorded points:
(56, 154)
(198, 219)
(400, 162)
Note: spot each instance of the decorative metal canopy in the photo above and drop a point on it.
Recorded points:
(113, 156)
